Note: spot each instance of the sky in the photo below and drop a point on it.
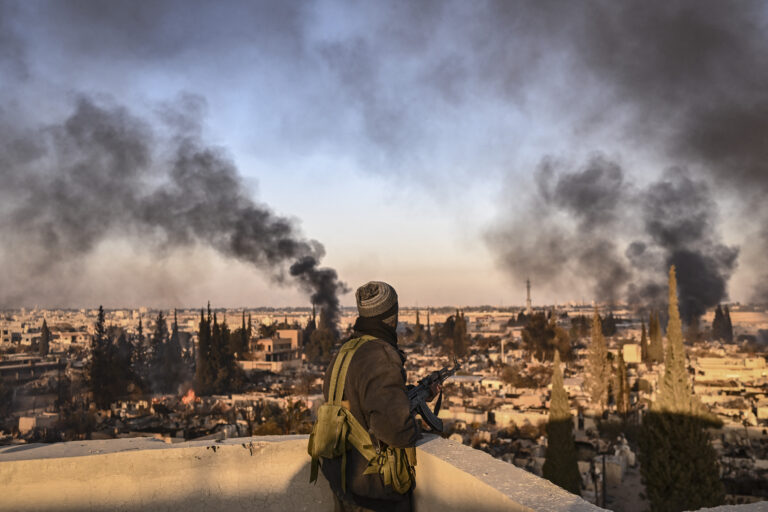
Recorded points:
(453, 149)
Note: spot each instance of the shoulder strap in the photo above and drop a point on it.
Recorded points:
(394, 464)
(340, 367)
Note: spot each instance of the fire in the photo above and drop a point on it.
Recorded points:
(189, 398)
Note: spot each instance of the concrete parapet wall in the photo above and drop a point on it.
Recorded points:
(261, 473)
(258, 473)
(451, 476)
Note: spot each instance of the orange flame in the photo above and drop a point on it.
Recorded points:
(189, 398)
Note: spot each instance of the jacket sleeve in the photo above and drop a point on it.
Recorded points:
(384, 399)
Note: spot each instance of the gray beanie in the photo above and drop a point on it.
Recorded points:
(375, 298)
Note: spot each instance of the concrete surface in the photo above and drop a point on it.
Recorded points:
(265, 473)
(452, 476)
(269, 473)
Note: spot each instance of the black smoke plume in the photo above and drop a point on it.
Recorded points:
(591, 224)
(694, 77)
(105, 172)
(684, 83)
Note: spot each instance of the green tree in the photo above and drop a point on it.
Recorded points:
(227, 375)
(718, 324)
(100, 363)
(609, 325)
(644, 344)
(140, 357)
(675, 390)
(460, 341)
(45, 339)
(560, 465)
(542, 338)
(622, 387)
(418, 331)
(6, 399)
(579, 327)
(176, 369)
(656, 346)
(728, 327)
(267, 331)
(123, 377)
(678, 463)
(204, 369)
(244, 338)
(445, 333)
(598, 370)
(319, 348)
(158, 369)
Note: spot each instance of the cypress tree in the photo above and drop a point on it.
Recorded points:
(622, 387)
(245, 338)
(140, 356)
(656, 346)
(460, 335)
(718, 324)
(123, 376)
(609, 325)
(678, 463)
(45, 339)
(727, 326)
(644, 345)
(204, 369)
(597, 365)
(224, 365)
(99, 377)
(173, 359)
(417, 330)
(158, 370)
(560, 465)
(675, 391)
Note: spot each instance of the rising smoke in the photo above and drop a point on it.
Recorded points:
(409, 86)
(686, 81)
(579, 221)
(690, 80)
(105, 172)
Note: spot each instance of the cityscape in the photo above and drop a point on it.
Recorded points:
(391, 256)
(499, 402)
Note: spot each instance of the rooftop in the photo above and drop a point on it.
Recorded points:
(254, 473)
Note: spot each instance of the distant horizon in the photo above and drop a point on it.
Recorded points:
(308, 309)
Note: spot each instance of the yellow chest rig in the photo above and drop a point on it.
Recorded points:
(336, 426)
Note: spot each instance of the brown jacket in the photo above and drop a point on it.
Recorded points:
(375, 389)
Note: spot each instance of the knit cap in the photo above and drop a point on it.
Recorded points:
(375, 298)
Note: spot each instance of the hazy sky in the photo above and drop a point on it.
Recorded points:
(450, 148)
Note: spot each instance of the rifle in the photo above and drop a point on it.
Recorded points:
(419, 394)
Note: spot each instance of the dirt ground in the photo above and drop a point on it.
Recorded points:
(626, 496)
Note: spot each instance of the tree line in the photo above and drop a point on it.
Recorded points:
(217, 371)
(678, 464)
(123, 364)
(132, 364)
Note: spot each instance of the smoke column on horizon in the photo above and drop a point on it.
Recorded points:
(104, 172)
(593, 224)
(691, 79)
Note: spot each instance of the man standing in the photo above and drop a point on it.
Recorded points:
(374, 392)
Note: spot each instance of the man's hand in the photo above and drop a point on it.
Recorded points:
(435, 390)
